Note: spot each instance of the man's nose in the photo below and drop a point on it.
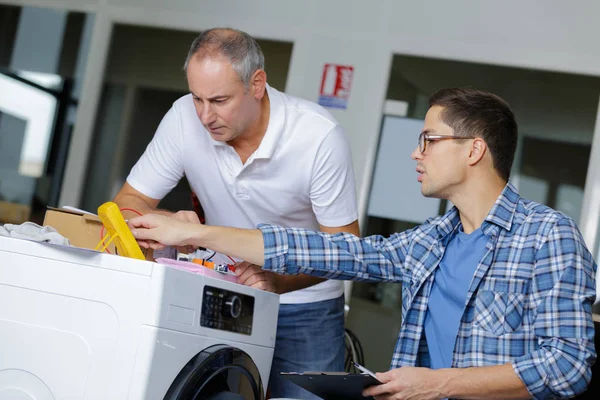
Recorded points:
(416, 154)
(207, 115)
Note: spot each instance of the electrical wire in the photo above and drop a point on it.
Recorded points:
(132, 210)
(350, 354)
(354, 351)
(359, 348)
(211, 256)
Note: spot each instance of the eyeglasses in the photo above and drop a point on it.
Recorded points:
(424, 138)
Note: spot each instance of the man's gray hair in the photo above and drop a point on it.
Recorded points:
(241, 49)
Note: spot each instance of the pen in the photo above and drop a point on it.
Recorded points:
(364, 370)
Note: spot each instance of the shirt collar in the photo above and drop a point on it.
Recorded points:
(275, 126)
(501, 215)
(269, 142)
(503, 211)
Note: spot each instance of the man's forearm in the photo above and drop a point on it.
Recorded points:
(135, 203)
(496, 382)
(245, 244)
(290, 283)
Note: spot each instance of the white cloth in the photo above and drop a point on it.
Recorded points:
(300, 176)
(32, 231)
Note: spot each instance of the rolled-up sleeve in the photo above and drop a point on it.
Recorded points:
(564, 284)
(340, 256)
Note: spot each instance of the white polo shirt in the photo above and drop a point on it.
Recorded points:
(300, 176)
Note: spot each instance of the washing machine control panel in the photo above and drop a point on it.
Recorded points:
(227, 311)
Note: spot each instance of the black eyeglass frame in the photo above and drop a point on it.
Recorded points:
(424, 138)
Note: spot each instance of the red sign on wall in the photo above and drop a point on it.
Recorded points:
(335, 85)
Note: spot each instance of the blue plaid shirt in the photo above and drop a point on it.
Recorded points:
(529, 302)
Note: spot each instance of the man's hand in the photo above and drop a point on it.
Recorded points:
(406, 383)
(254, 276)
(158, 231)
(186, 216)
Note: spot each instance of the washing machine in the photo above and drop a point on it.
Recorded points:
(78, 324)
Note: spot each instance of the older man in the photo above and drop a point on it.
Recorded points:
(253, 154)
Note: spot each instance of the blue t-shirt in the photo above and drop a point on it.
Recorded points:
(449, 293)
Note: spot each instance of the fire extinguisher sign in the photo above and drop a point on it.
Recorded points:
(335, 85)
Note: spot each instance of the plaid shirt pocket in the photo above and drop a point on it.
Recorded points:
(499, 305)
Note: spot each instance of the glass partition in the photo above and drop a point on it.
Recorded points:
(42, 60)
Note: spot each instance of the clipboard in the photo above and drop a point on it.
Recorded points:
(333, 385)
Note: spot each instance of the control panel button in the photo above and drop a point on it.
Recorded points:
(233, 307)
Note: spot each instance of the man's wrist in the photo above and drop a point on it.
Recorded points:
(195, 235)
(444, 379)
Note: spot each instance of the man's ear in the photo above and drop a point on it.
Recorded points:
(477, 151)
(258, 84)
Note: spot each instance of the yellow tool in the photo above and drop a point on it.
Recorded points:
(118, 231)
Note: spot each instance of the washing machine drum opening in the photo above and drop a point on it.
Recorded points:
(218, 373)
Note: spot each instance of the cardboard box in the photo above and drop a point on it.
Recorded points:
(13, 213)
(82, 230)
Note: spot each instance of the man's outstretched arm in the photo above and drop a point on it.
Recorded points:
(157, 231)
(291, 250)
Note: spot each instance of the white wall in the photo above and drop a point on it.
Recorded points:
(545, 34)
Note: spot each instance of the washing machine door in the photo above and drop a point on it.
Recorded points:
(218, 373)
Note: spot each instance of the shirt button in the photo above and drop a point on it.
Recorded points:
(243, 196)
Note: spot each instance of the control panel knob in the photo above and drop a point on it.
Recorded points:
(233, 306)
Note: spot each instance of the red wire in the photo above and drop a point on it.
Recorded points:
(231, 259)
(132, 210)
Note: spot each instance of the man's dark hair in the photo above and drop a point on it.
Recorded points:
(474, 113)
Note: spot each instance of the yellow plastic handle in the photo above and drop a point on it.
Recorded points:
(119, 232)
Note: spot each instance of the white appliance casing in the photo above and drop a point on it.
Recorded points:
(78, 324)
